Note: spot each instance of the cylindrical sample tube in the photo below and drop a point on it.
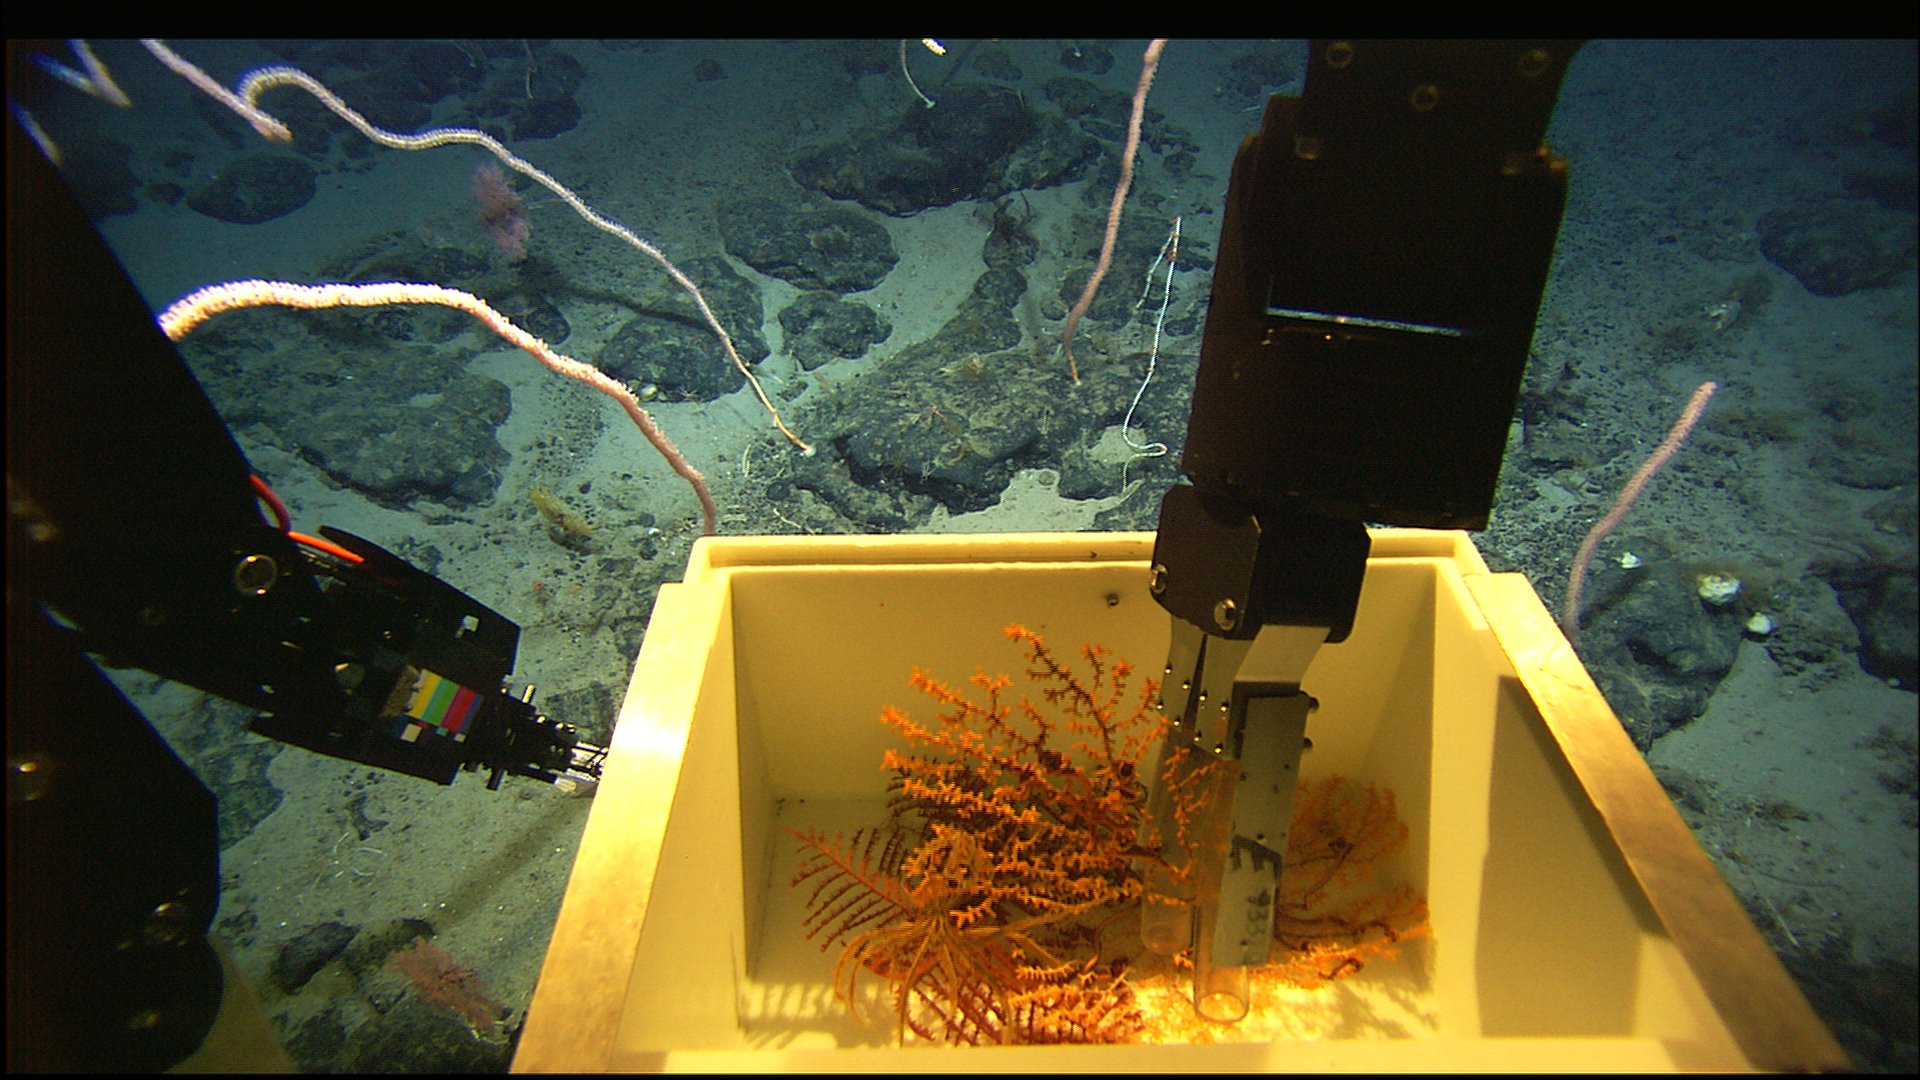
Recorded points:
(1165, 927)
(1221, 994)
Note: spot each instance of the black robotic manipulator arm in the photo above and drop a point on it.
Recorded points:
(1384, 249)
(135, 528)
(136, 534)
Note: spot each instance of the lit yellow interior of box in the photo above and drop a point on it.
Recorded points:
(1575, 922)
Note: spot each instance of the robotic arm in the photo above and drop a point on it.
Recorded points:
(1384, 249)
(135, 533)
(136, 530)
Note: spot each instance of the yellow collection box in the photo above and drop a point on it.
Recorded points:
(1575, 922)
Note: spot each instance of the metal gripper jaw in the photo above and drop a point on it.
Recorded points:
(1222, 801)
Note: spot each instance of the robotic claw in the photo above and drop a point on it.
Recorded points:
(1384, 249)
(135, 534)
(340, 646)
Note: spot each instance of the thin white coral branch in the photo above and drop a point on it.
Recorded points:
(183, 315)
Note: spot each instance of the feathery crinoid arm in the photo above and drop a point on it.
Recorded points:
(856, 880)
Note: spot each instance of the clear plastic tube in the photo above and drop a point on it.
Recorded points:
(1166, 911)
(1165, 927)
(1220, 994)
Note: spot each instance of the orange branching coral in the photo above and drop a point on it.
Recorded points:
(1017, 841)
(442, 980)
(1328, 922)
(1055, 794)
(1015, 834)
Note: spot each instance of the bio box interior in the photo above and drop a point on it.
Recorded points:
(1576, 924)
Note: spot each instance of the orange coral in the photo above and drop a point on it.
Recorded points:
(1015, 830)
(442, 980)
(1018, 840)
(1061, 818)
(1327, 923)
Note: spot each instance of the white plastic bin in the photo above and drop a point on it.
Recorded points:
(1576, 923)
